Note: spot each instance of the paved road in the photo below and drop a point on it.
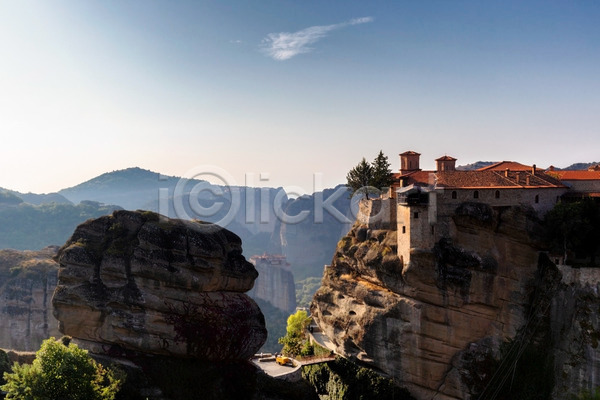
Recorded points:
(271, 368)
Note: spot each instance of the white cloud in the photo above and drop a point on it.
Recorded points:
(285, 45)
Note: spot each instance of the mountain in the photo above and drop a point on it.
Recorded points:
(131, 188)
(581, 166)
(24, 226)
(323, 218)
(32, 198)
(475, 165)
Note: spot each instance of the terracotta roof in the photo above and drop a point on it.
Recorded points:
(446, 158)
(410, 153)
(504, 165)
(481, 179)
(576, 175)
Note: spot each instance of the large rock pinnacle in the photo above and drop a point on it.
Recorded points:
(140, 282)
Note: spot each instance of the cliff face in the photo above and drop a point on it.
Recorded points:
(425, 324)
(134, 281)
(27, 281)
(275, 282)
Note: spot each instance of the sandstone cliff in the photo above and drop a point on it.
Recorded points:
(27, 281)
(457, 313)
(275, 282)
(137, 282)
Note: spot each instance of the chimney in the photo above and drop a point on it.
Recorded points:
(506, 171)
(517, 176)
(533, 168)
(527, 180)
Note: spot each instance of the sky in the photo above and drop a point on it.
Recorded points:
(289, 93)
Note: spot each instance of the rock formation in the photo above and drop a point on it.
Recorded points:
(27, 281)
(433, 324)
(275, 282)
(138, 282)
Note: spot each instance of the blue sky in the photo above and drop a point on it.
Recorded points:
(291, 88)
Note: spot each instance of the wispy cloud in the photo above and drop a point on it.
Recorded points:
(285, 45)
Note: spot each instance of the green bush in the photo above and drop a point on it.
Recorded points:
(344, 380)
(61, 372)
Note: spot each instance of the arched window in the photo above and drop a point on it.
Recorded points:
(537, 198)
(497, 195)
(454, 194)
(476, 194)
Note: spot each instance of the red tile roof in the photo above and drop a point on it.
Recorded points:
(573, 175)
(445, 158)
(480, 179)
(410, 153)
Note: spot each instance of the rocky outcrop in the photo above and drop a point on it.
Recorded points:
(275, 282)
(27, 281)
(432, 324)
(139, 282)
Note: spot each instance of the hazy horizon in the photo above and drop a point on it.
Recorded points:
(291, 89)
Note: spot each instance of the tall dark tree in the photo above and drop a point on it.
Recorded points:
(360, 178)
(574, 227)
(382, 174)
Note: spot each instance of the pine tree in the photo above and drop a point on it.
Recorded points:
(360, 178)
(382, 174)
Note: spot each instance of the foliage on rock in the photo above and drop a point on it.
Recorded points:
(573, 229)
(62, 372)
(344, 380)
(369, 178)
(294, 340)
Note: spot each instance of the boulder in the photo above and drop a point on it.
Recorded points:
(143, 283)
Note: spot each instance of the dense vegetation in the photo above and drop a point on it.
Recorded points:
(573, 230)
(370, 178)
(295, 342)
(305, 290)
(28, 227)
(4, 366)
(344, 380)
(275, 322)
(61, 370)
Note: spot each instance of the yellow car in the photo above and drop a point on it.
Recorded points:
(283, 360)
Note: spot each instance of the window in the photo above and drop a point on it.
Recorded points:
(497, 195)
(454, 194)
(432, 230)
(403, 229)
(476, 194)
(537, 198)
(416, 215)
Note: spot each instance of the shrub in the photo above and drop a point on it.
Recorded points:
(62, 372)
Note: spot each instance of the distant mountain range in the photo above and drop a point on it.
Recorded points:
(481, 164)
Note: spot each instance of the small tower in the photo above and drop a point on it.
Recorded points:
(409, 162)
(445, 163)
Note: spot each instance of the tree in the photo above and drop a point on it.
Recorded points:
(382, 174)
(293, 341)
(574, 227)
(61, 372)
(360, 178)
(369, 178)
